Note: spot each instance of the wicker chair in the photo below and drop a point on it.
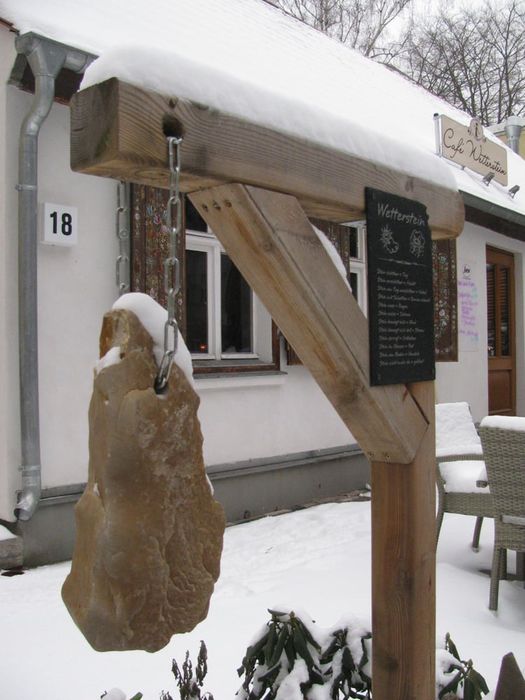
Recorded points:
(503, 440)
(459, 466)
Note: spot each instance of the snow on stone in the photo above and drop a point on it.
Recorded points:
(112, 357)
(504, 422)
(5, 534)
(153, 317)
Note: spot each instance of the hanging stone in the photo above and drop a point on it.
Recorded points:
(149, 532)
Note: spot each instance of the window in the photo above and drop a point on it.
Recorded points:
(357, 262)
(219, 303)
(224, 324)
(350, 242)
(227, 327)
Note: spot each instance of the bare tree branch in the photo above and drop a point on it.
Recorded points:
(362, 24)
(473, 58)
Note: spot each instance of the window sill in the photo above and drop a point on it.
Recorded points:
(232, 366)
(239, 380)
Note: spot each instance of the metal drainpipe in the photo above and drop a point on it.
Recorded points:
(46, 58)
(513, 127)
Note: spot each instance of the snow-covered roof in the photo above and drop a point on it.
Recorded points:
(248, 58)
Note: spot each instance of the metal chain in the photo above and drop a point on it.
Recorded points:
(123, 235)
(171, 264)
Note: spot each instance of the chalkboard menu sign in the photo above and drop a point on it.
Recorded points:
(400, 301)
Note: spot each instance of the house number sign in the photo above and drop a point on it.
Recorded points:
(400, 297)
(59, 224)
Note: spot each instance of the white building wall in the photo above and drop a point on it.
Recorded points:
(255, 417)
(467, 380)
(76, 287)
(242, 417)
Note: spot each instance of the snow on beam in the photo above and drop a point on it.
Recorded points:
(271, 241)
(117, 130)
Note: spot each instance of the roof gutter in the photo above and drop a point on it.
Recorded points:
(46, 58)
(511, 223)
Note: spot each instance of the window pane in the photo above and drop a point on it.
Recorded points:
(194, 221)
(236, 309)
(354, 240)
(197, 301)
(354, 283)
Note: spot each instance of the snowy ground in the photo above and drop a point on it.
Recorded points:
(315, 560)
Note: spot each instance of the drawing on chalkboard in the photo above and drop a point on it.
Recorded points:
(417, 243)
(389, 242)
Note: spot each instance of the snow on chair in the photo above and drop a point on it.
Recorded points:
(503, 439)
(459, 467)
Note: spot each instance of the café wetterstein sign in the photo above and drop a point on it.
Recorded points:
(467, 146)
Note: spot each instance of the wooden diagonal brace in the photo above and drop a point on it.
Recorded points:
(271, 241)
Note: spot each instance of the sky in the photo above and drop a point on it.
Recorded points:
(315, 560)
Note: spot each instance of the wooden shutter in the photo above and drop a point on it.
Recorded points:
(501, 328)
(149, 247)
(491, 309)
(445, 300)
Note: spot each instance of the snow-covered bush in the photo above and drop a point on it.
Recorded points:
(457, 678)
(293, 660)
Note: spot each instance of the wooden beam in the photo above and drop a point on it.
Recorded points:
(403, 569)
(117, 130)
(271, 241)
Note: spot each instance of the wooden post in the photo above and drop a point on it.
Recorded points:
(117, 131)
(403, 569)
(276, 249)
